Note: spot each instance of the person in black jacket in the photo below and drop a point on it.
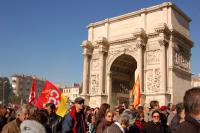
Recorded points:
(54, 121)
(191, 103)
(155, 125)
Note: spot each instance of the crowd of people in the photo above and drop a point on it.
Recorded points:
(150, 118)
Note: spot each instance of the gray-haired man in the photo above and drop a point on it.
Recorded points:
(14, 126)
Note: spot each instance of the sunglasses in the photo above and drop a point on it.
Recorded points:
(156, 116)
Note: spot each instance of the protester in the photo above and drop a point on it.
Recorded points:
(41, 116)
(154, 105)
(100, 121)
(172, 113)
(54, 121)
(155, 125)
(106, 122)
(32, 126)
(191, 103)
(3, 112)
(74, 121)
(14, 126)
(163, 117)
(120, 126)
(139, 122)
(178, 118)
(146, 112)
(118, 112)
(92, 124)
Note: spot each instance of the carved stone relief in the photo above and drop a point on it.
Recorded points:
(113, 53)
(153, 80)
(95, 65)
(94, 84)
(181, 58)
(153, 57)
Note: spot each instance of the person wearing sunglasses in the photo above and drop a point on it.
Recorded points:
(154, 126)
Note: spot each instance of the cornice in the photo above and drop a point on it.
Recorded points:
(152, 35)
(139, 12)
(124, 40)
(181, 71)
(179, 35)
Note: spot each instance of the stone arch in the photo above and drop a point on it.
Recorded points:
(122, 70)
(113, 57)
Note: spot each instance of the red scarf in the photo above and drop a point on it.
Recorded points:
(73, 115)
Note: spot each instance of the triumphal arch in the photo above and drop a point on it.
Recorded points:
(152, 42)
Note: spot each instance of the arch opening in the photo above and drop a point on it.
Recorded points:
(123, 77)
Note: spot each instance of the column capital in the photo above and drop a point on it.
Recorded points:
(162, 28)
(140, 34)
(87, 44)
(141, 37)
(102, 41)
(102, 44)
(87, 47)
(164, 42)
(140, 45)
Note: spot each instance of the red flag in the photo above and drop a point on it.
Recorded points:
(136, 92)
(51, 94)
(32, 94)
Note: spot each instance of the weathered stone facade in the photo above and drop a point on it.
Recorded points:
(153, 43)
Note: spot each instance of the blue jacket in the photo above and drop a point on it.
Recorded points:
(70, 122)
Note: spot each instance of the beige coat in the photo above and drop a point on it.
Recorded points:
(11, 127)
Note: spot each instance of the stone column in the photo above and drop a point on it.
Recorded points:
(164, 33)
(109, 87)
(101, 72)
(103, 47)
(85, 74)
(163, 63)
(140, 47)
(87, 51)
(141, 43)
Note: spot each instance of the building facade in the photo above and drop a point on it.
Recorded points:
(5, 90)
(21, 85)
(195, 81)
(153, 43)
(72, 92)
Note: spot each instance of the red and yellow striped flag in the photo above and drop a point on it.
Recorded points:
(136, 92)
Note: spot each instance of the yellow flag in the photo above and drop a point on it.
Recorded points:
(62, 108)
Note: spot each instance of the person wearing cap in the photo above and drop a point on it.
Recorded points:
(74, 121)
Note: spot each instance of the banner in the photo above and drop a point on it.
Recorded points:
(32, 94)
(136, 92)
(51, 94)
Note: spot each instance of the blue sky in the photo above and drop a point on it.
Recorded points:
(43, 37)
